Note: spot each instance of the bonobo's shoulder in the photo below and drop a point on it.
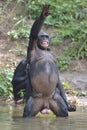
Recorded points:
(51, 52)
(22, 64)
(24, 61)
(52, 55)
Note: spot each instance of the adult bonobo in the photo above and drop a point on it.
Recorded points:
(38, 75)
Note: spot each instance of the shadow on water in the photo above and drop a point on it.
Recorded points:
(11, 119)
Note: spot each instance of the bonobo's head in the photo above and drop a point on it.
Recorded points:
(43, 40)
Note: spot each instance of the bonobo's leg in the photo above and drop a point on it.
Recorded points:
(58, 106)
(33, 106)
(60, 90)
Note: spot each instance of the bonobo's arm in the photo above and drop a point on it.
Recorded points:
(62, 92)
(37, 27)
(70, 106)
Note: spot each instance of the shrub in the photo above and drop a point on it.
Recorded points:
(5, 83)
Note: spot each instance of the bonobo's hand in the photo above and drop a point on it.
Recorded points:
(71, 107)
(45, 11)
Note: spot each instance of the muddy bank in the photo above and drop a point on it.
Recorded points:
(77, 80)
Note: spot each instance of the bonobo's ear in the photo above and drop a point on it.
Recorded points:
(45, 11)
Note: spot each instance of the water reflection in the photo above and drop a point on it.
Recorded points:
(11, 119)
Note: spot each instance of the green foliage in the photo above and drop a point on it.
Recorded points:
(50, 115)
(56, 39)
(19, 51)
(5, 83)
(63, 62)
(68, 88)
(66, 85)
(21, 29)
(21, 32)
(76, 51)
(22, 93)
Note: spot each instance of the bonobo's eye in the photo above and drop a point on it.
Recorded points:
(47, 36)
(44, 36)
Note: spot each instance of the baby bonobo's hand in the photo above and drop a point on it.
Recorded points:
(45, 11)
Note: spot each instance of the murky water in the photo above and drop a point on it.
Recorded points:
(11, 119)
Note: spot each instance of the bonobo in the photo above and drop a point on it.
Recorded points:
(38, 75)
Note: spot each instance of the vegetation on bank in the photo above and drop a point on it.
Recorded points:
(69, 19)
(5, 83)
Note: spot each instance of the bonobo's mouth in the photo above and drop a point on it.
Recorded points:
(45, 44)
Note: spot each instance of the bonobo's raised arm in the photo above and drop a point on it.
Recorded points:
(37, 26)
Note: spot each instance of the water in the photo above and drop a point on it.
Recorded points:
(11, 119)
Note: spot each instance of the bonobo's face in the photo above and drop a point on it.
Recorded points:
(43, 40)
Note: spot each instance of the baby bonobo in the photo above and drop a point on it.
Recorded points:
(42, 84)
